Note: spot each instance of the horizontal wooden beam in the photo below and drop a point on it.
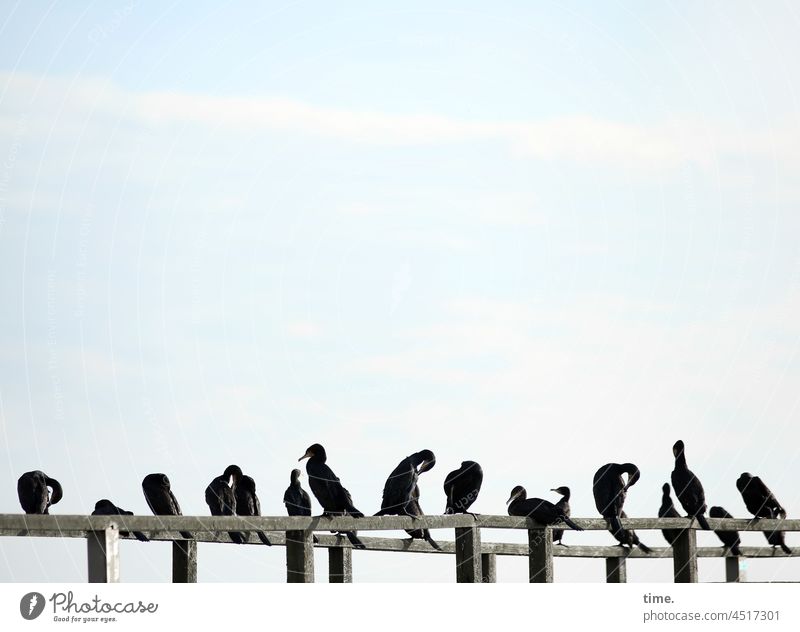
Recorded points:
(70, 523)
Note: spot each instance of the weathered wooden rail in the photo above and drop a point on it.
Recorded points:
(475, 560)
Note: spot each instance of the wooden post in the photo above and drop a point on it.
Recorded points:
(300, 557)
(732, 570)
(540, 555)
(340, 565)
(684, 557)
(488, 568)
(103, 555)
(616, 570)
(184, 562)
(468, 555)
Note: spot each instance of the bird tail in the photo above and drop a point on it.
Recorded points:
(140, 536)
(427, 537)
(352, 511)
(187, 535)
(382, 512)
(785, 548)
(614, 524)
(357, 544)
(236, 536)
(644, 548)
(264, 539)
(571, 524)
(703, 522)
(736, 551)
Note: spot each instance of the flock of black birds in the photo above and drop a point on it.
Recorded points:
(234, 494)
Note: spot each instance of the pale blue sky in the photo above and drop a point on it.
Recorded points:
(230, 231)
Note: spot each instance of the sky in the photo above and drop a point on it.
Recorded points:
(541, 236)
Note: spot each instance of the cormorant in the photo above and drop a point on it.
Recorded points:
(401, 492)
(296, 499)
(247, 503)
(761, 502)
(667, 510)
(221, 499)
(462, 486)
(328, 490)
(628, 537)
(33, 492)
(542, 511)
(105, 507)
(610, 489)
(561, 505)
(687, 487)
(160, 499)
(730, 539)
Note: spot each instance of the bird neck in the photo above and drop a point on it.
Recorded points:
(680, 460)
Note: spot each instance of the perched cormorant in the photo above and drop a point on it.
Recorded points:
(462, 486)
(610, 489)
(761, 502)
(667, 510)
(160, 499)
(628, 537)
(398, 491)
(105, 507)
(247, 503)
(563, 506)
(730, 539)
(33, 492)
(687, 487)
(328, 490)
(221, 499)
(296, 499)
(401, 492)
(542, 511)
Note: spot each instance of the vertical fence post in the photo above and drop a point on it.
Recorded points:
(184, 562)
(468, 555)
(102, 551)
(299, 557)
(488, 568)
(340, 565)
(540, 555)
(732, 572)
(616, 570)
(684, 557)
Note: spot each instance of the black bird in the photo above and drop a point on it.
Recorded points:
(542, 511)
(160, 499)
(33, 492)
(667, 510)
(401, 492)
(730, 539)
(610, 489)
(628, 537)
(462, 486)
(296, 499)
(105, 507)
(688, 487)
(563, 506)
(221, 499)
(329, 491)
(247, 503)
(761, 502)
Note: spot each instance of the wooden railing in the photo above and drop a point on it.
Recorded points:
(475, 560)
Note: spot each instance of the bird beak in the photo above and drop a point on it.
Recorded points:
(307, 455)
(552, 490)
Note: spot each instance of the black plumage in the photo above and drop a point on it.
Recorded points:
(160, 499)
(730, 539)
(296, 499)
(542, 511)
(105, 507)
(247, 503)
(328, 489)
(761, 502)
(667, 510)
(563, 506)
(462, 486)
(688, 488)
(37, 492)
(610, 490)
(221, 499)
(628, 537)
